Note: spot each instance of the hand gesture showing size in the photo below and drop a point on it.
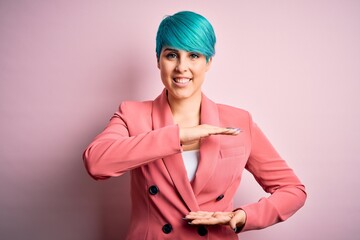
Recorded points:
(189, 135)
(235, 220)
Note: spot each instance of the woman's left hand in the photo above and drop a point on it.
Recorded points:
(233, 219)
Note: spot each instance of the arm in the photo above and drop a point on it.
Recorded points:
(275, 177)
(114, 151)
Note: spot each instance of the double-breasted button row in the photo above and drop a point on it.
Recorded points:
(221, 196)
(202, 231)
(167, 228)
(153, 190)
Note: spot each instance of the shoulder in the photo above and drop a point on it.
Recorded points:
(135, 105)
(134, 109)
(227, 110)
(234, 116)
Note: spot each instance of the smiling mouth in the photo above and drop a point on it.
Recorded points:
(182, 80)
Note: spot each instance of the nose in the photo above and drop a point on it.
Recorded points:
(182, 65)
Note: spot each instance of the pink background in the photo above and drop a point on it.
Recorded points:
(66, 65)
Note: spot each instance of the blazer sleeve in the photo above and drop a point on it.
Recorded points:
(275, 177)
(114, 151)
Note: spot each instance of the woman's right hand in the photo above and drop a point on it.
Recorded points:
(189, 135)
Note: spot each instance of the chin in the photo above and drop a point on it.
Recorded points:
(182, 94)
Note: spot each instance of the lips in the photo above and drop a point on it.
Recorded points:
(181, 80)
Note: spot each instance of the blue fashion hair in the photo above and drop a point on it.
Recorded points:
(186, 31)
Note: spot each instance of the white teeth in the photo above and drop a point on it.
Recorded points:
(181, 80)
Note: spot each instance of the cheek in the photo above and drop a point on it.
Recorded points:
(165, 69)
(164, 72)
(200, 70)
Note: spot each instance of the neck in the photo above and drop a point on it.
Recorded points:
(186, 112)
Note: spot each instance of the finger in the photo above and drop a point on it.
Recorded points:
(220, 219)
(216, 218)
(237, 220)
(209, 221)
(199, 215)
(233, 130)
(232, 223)
(230, 131)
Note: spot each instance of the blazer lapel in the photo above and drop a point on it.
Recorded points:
(209, 146)
(161, 117)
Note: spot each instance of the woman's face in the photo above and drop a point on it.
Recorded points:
(182, 72)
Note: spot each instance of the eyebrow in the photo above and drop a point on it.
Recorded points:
(171, 49)
(176, 50)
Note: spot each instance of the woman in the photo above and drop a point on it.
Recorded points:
(184, 159)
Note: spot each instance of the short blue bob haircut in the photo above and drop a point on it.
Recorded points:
(186, 31)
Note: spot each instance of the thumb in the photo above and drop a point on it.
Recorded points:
(233, 222)
(237, 222)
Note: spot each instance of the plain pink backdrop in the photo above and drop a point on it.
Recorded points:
(66, 65)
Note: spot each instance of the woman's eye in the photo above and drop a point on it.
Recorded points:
(194, 55)
(171, 55)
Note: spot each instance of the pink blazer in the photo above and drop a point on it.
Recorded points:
(142, 138)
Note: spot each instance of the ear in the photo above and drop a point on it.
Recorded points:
(208, 64)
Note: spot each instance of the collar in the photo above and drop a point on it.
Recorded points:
(209, 150)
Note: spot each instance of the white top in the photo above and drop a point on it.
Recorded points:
(191, 161)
